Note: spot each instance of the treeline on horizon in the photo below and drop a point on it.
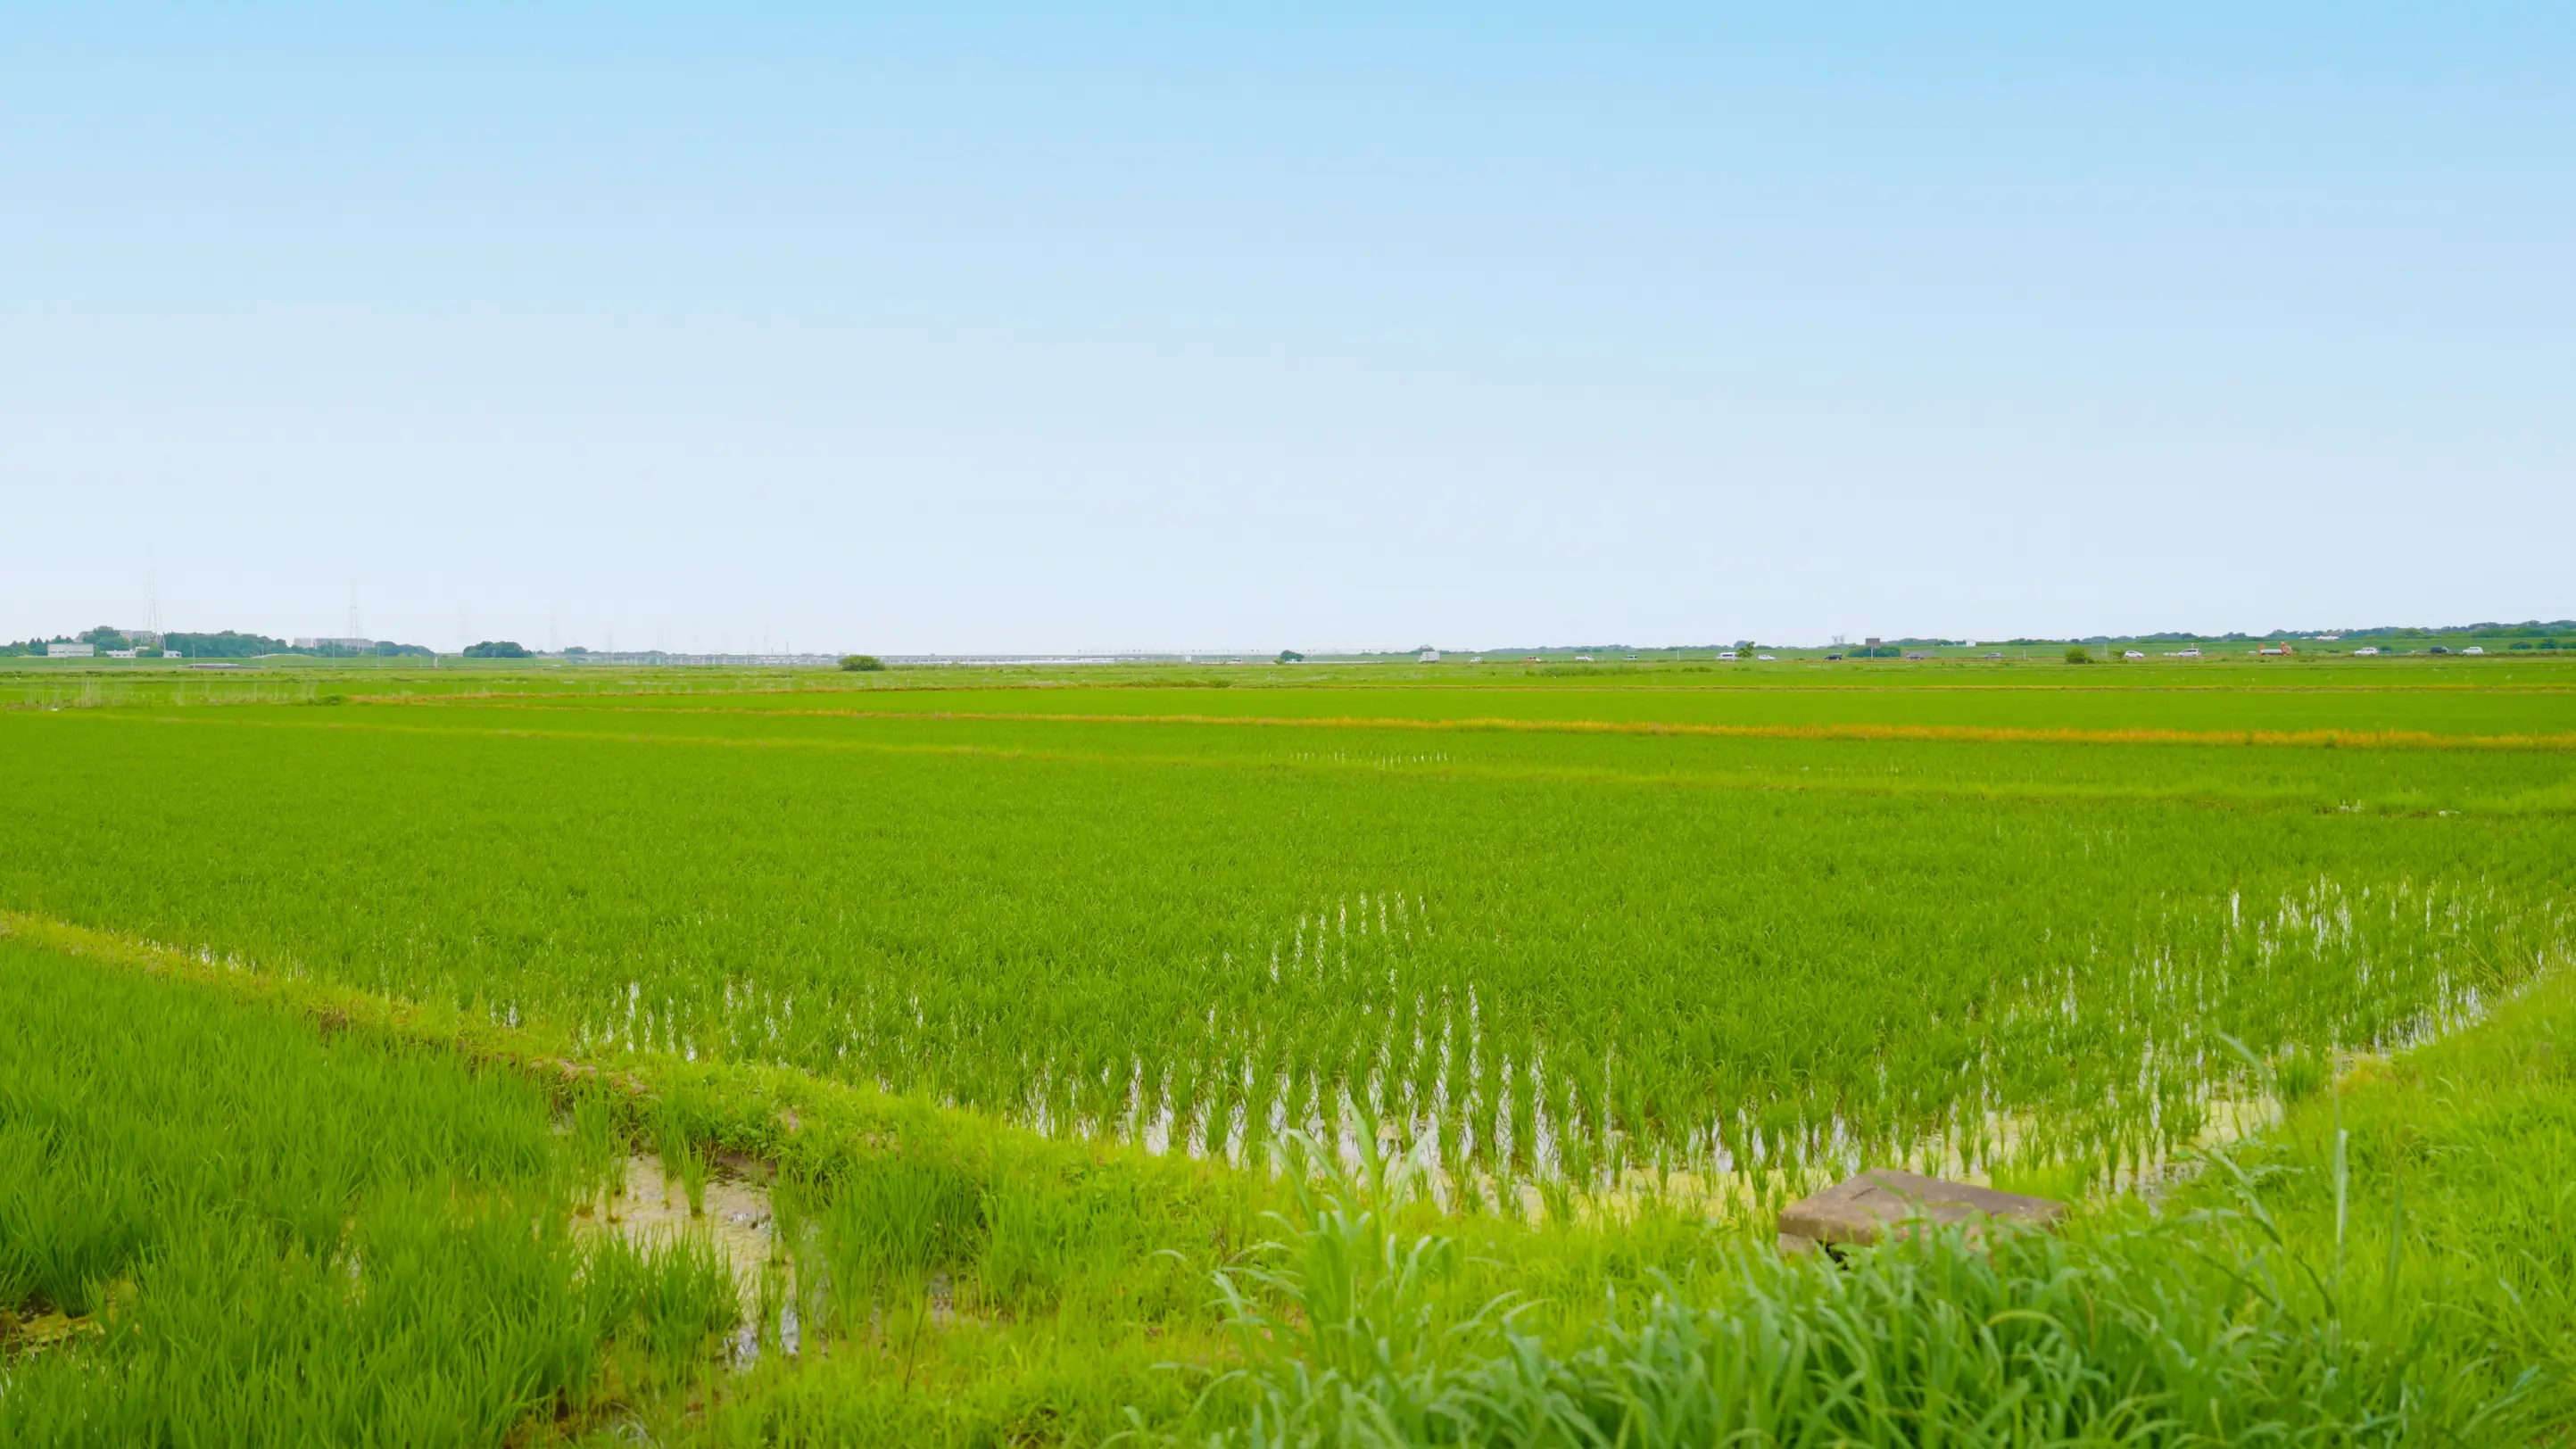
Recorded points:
(225, 644)
(229, 644)
(2535, 629)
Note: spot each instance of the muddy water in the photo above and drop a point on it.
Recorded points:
(736, 1219)
(736, 1216)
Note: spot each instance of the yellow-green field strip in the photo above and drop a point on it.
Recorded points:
(1928, 734)
(2549, 800)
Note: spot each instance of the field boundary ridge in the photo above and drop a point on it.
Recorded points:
(1852, 731)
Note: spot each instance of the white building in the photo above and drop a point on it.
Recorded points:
(1430, 656)
(70, 651)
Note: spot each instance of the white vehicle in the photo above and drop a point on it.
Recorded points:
(2474, 649)
(2133, 654)
(1582, 658)
(1726, 654)
(1765, 658)
(2365, 651)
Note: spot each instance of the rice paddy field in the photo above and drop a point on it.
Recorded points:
(1285, 1055)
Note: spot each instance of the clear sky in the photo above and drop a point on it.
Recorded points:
(986, 328)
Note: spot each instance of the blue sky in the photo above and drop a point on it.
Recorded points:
(984, 328)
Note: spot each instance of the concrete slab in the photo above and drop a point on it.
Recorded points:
(1860, 1210)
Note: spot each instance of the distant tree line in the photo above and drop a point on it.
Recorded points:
(103, 638)
(227, 644)
(223, 644)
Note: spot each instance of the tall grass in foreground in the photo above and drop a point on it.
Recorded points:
(2394, 1264)
(234, 1232)
(2207, 1328)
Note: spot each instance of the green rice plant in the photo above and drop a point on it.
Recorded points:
(665, 1297)
(61, 1247)
(599, 1151)
(1558, 950)
(277, 1237)
(769, 1320)
(1559, 985)
(684, 1161)
(1620, 1317)
(886, 1223)
(799, 1255)
(1547, 998)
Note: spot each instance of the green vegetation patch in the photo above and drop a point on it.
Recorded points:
(1001, 997)
(1579, 970)
(220, 1227)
